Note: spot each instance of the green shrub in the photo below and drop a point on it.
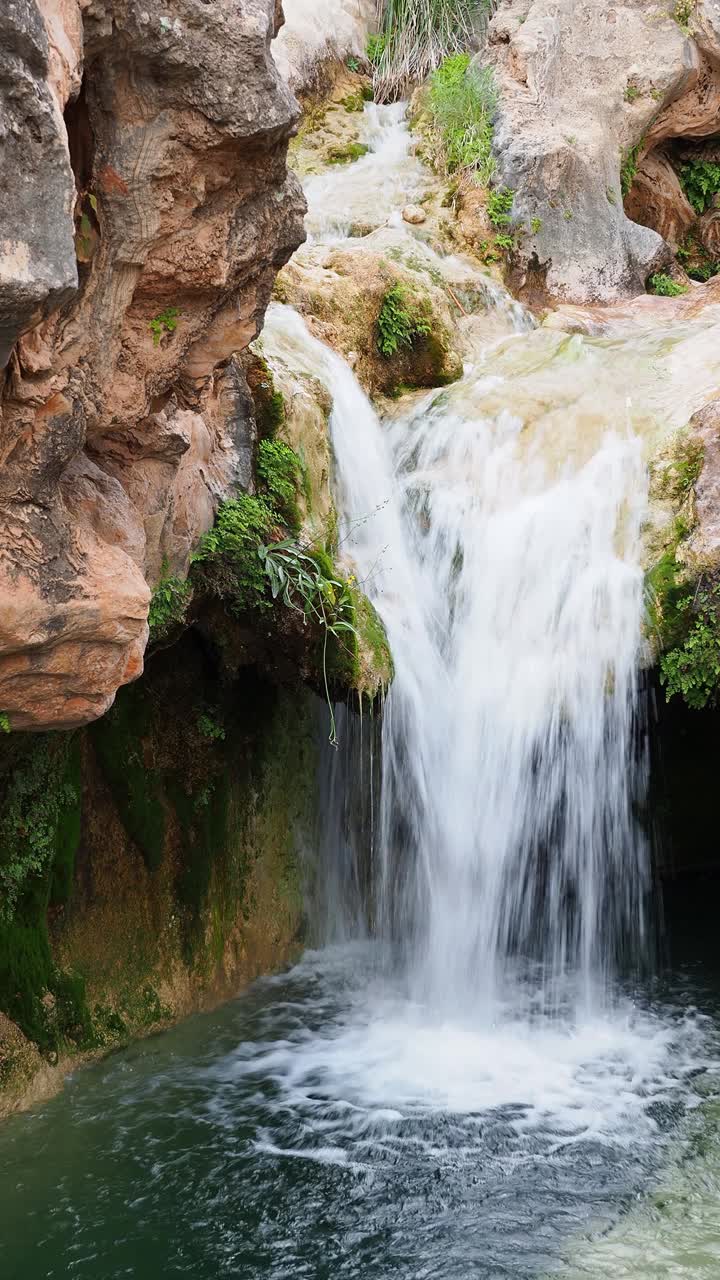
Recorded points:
(169, 604)
(700, 181)
(226, 562)
(37, 791)
(692, 668)
(279, 473)
(4, 722)
(375, 49)
(462, 104)
(665, 287)
(164, 323)
(400, 323)
(499, 206)
(629, 168)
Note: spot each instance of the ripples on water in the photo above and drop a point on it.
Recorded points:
(326, 1126)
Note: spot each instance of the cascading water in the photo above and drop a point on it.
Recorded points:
(512, 595)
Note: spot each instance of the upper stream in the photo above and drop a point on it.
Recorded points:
(474, 1074)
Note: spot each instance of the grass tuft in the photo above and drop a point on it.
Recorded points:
(416, 36)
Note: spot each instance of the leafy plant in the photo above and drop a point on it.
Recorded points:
(665, 287)
(700, 181)
(499, 206)
(298, 579)
(683, 12)
(692, 668)
(209, 728)
(352, 63)
(462, 104)
(225, 562)
(279, 472)
(169, 603)
(632, 92)
(375, 49)
(418, 35)
(164, 323)
(630, 168)
(536, 225)
(37, 794)
(4, 722)
(400, 322)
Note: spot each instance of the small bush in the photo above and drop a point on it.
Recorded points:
(164, 323)
(629, 168)
(701, 182)
(462, 106)
(226, 562)
(665, 287)
(499, 206)
(683, 12)
(400, 322)
(169, 603)
(692, 669)
(4, 722)
(279, 473)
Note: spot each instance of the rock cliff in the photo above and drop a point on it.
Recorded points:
(589, 96)
(149, 208)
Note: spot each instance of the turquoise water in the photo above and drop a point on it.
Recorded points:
(323, 1125)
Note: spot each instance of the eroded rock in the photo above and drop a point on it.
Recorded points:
(585, 90)
(125, 416)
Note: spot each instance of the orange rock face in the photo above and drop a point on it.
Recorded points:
(156, 160)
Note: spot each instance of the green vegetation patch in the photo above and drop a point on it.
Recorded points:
(416, 36)
(279, 475)
(462, 102)
(268, 401)
(700, 180)
(629, 168)
(401, 322)
(665, 287)
(164, 324)
(346, 154)
(692, 667)
(170, 601)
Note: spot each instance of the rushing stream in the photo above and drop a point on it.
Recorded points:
(476, 1075)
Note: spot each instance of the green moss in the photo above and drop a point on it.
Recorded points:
(279, 476)
(122, 740)
(170, 602)
(353, 103)
(347, 153)
(268, 401)
(226, 562)
(202, 814)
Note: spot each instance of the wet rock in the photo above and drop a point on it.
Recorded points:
(413, 214)
(341, 293)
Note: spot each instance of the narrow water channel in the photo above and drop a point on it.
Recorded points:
(477, 1073)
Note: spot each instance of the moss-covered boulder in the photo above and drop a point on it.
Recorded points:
(347, 293)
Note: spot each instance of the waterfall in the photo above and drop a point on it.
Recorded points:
(510, 585)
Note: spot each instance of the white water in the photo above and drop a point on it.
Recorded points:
(497, 526)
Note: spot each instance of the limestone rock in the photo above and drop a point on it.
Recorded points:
(413, 214)
(319, 34)
(161, 186)
(580, 86)
(340, 291)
